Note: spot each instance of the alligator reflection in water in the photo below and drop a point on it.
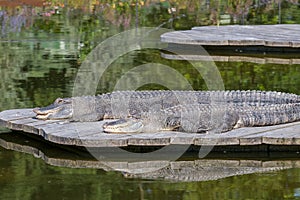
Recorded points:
(181, 170)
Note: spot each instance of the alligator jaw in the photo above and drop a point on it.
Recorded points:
(53, 116)
(123, 126)
(54, 112)
(132, 125)
(43, 116)
(45, 113)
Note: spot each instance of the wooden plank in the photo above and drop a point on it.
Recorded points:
(241, 136)
(71, 128)
(260, 136)
(224, 58)
(289, 136)
(85, 133)
(14, 114)
(278, 43)
(104, 140)
(190, 38)
(155, 139)
(244, 41)
(295, 43)
(216, 140)
(68, 133)
(19, 123)
(254, 140)
(182, 138)
(238, 35)
(53, 128)
(33, 127)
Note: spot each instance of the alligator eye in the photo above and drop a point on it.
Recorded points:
(59, 101)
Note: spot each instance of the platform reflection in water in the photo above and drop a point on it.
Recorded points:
(187, 168)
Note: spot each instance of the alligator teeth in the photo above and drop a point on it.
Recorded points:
(43, 116)
(123, 126)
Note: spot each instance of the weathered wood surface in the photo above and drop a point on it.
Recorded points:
(192, 170)
(281, 35)
(232, 58)
(90, 134)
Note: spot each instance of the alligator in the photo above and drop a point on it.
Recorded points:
(197, 170)
(201, 118)
(134, 107)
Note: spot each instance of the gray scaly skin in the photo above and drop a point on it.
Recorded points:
(200, 118)
(133, 103)
(200, 170)
(153, 107)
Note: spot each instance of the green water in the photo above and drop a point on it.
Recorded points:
(25, 177)
(42, 48)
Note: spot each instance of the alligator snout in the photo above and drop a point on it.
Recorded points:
(123, 126)
(37, 110)
(41, 114)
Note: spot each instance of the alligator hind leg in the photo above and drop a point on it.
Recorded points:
(217, 121)
(231, 119)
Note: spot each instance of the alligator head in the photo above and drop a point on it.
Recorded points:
(129, 125)
(60, 109)
(133, 125)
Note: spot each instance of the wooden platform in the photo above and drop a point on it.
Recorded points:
(193, 169)
(90, 134)
(283, 35)
(232, 58)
